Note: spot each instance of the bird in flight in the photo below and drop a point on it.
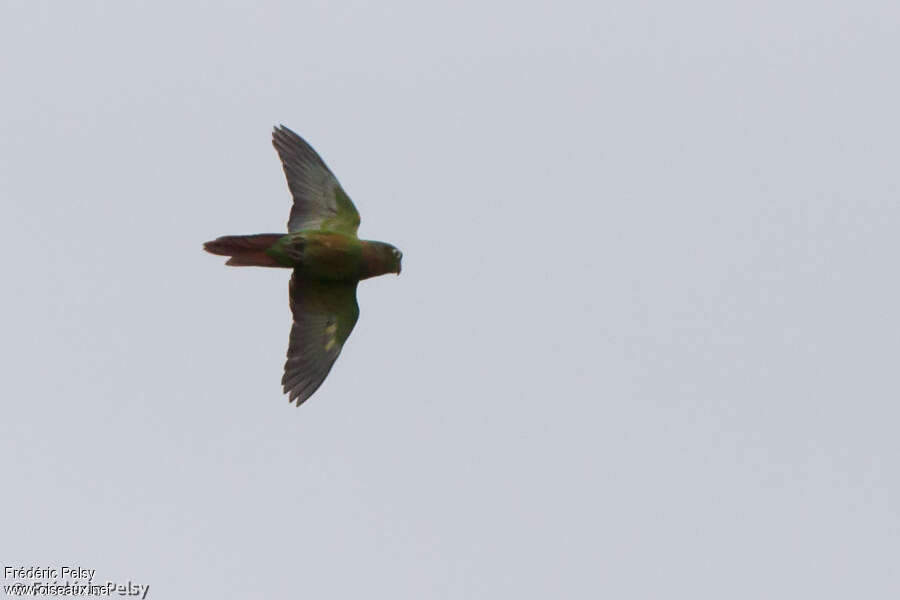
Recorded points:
(327, 259)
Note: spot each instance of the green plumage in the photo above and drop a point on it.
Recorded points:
(323, 255)
(327, 258)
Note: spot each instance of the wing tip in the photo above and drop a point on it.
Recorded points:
(282, 131)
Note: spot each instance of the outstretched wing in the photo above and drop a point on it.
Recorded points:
(319, 200)
(324, 315)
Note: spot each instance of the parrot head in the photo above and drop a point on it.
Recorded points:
(379, 258)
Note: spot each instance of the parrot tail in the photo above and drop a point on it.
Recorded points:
(245, 250)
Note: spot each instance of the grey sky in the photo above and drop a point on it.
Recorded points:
(644, 344)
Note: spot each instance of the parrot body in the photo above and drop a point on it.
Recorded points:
(318, 255)
(327, 258)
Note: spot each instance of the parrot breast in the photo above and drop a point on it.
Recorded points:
(322, 256)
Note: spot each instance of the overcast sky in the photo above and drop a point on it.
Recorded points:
(645, 342)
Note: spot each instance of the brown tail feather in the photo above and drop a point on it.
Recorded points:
(245, 250)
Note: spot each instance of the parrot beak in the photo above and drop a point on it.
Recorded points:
(398, 257)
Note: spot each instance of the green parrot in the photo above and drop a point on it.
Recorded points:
(327, 259)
